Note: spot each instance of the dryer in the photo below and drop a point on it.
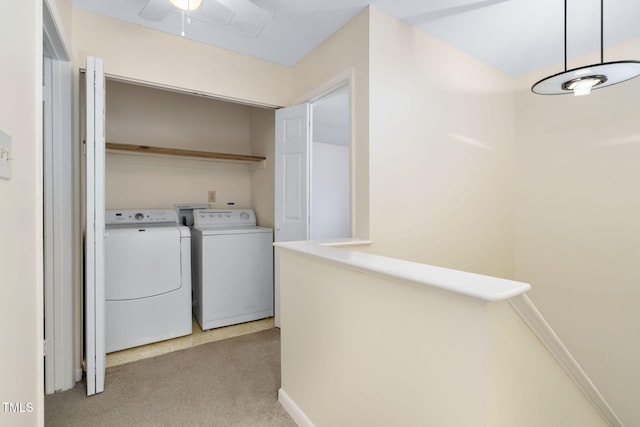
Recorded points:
(147, 278)
(232, 267)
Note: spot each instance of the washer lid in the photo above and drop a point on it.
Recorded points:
(142, 262)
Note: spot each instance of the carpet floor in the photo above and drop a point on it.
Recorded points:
(233, 382)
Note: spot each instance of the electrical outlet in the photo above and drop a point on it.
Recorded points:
(5, 155)
(212, 196)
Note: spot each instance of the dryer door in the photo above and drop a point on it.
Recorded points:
(141, 262)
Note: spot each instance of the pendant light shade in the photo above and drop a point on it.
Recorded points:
(580, 81)
(587, 78)
(187, 5)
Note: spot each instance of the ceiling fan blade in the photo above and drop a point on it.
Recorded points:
(241, 16)
(155, 10)
(214, 12)
(247, 12)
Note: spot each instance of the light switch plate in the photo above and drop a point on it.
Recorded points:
(6, 155)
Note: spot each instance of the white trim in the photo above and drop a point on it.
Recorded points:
(58, 212)
(294, 410)
(335, 83)
(346, 78)
(536, 322)
(50, 276)
(485, 288)
(350, 241)
(64, 222)
(53, 39)
(182, 90)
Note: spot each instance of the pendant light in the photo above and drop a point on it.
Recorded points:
(580, 81)
(186, 6)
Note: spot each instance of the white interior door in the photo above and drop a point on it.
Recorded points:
(94, 235)
(293, 136)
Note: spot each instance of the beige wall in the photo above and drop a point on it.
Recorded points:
(263, 135)
(150, 116)
(138, 53)
(441, 153)
(21, 304)
(577, 224)
(152, 182)
(362, 349)
(346, 51)
(526, 386)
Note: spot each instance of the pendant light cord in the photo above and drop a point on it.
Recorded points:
(565, 35)
(602, 31)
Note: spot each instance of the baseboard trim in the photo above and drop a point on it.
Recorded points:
(536, 322)
(293, 410)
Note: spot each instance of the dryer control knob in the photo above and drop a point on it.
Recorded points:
(139, 216)
(244, 216)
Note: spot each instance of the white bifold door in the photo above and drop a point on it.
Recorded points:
(94, 291)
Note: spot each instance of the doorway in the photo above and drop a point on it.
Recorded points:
(313, 169)
(330, 167)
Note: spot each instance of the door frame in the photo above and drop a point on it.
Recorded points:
(336, 83)
(59, 214)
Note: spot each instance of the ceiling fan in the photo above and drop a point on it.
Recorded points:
(242, 16)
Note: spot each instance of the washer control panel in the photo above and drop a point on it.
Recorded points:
(224, 218)
(141, 216)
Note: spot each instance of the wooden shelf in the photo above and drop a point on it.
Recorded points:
(183, 153)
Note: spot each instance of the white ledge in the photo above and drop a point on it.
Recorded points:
(486, 288)
(350, 241)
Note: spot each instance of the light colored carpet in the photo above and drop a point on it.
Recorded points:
(233, 382)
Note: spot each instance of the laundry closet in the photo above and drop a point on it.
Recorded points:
(167, 149)
(148, 116)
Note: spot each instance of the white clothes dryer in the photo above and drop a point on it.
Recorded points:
(147, 278)
(232, 265)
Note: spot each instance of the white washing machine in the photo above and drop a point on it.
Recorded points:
(232, 265)
(147, 278)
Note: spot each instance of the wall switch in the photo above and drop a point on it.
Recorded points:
(212, 196)
(6, 155)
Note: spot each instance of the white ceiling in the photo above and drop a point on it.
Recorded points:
(516, 36)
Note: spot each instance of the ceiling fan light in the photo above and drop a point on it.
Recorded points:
(187, 5)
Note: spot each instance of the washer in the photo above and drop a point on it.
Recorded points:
(147, 278)
(232, 267)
